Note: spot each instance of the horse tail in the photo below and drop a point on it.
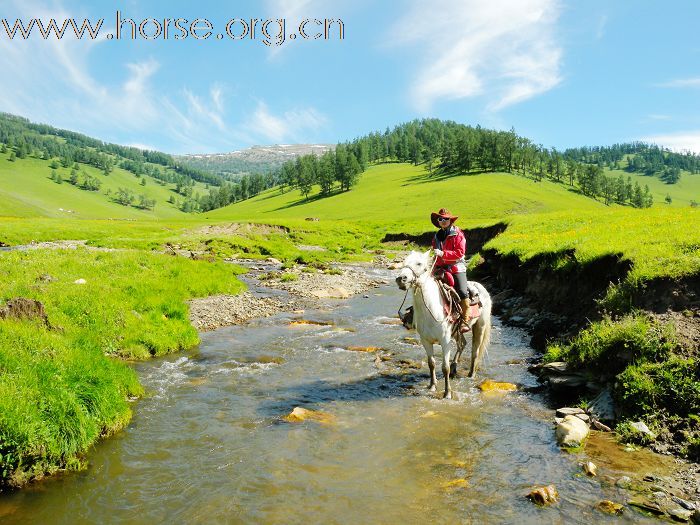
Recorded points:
(485, 336)
(481, 338)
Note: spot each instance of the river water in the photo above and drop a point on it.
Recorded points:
(208, 444)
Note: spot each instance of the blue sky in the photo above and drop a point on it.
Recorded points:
(563, 73)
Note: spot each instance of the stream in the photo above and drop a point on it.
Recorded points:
(208, 443)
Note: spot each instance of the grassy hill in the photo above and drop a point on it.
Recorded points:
(26, 190)
(684, 191)
(402, 196)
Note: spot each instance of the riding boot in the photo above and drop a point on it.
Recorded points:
(464, 320)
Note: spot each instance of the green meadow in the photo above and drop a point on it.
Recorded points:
(26, 190)
(401, 196)
(62, 388)
(65, 385)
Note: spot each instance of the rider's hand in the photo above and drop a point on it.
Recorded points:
(439, 253)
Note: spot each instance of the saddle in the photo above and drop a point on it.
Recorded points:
(451, 304)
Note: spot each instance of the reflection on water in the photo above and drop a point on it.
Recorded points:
(208, 445)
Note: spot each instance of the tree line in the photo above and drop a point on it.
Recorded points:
(647, 159)
(25, 138)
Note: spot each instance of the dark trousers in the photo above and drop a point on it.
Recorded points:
(461, 284)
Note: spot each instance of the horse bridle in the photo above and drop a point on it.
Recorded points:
(415, 275)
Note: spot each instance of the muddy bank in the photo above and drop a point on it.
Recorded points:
(476, 237)
(550, 304)
(555, 305)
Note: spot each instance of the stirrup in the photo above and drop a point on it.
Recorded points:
(475, 300)
(465, 328)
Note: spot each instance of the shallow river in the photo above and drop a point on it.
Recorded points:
(208, 444)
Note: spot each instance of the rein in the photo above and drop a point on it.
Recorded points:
(430, 275)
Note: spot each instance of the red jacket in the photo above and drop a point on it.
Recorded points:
(454, 248)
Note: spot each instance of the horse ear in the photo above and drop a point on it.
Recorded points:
(426, 254)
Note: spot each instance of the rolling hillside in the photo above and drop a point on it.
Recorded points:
(26, 190)
(402, 195)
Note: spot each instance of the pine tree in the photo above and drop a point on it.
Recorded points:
(637, 196)
(73, 177)
(647, 198)
(13, 156)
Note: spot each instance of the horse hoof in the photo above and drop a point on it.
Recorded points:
(448, 395)
(432, 388)
(453, 370)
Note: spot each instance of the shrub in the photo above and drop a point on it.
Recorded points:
(609, 346)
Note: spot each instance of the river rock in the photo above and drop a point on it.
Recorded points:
(300, 414)
(600, 426)
(554, 368)
(571, 432)
(272, 260)
(646, 504)
(680, 514)
(640, 426)
(80, 281)
(566, 383)
(544, 495)
(569, 411)
(494, 386)
(610, 507)
(687, 505)
(584, 417)
(602, 406)
(364, 348)
(590, 468)
(335, 292)
(624, 482)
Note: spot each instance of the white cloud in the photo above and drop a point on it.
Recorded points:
(505, 50)
(52, 81)
(681, 83)
(680, 141)
(284, 127)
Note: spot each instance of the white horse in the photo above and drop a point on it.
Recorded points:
(433, 325)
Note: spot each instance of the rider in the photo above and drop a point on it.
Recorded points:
(450, 246)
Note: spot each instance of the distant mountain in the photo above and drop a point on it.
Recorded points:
(256, 159)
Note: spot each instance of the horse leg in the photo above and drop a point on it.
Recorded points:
(477, 347)
(446, 351)
(461, 343)
(476, 340)
(431, 364)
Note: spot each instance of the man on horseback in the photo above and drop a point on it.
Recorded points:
(450, 246)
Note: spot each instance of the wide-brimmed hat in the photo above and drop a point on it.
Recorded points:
(444, 213)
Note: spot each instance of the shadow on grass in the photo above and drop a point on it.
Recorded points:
(440, 175)
(311, 199)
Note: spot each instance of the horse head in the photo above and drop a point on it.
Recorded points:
(415, 265)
